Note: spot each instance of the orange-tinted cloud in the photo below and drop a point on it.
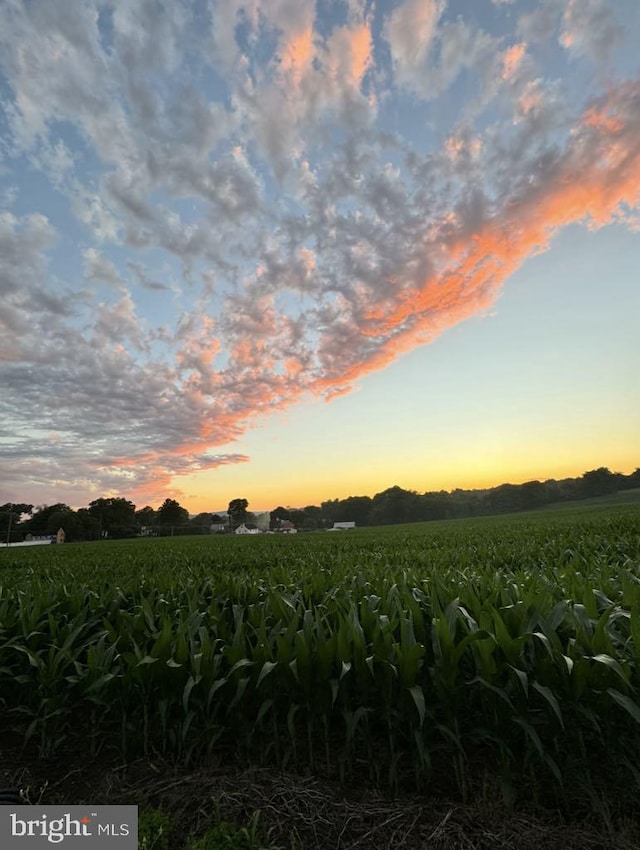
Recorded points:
(348, 54)
(305, 224)
(361, 51)
(297, 53)
(597, 173)
(512, 59)
(597, 176)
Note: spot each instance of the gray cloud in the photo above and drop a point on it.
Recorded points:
(98, 268)
(262, 235)
(590, 27)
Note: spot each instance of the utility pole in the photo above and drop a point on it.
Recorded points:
(9, 526)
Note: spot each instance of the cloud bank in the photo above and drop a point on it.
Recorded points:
(214, 211)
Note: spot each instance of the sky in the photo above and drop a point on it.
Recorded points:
(295, 250)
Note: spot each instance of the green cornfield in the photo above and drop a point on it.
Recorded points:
(409, 656)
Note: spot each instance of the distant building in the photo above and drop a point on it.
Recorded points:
(287, 527)
(342, 526)
(246, 529)
(34, 541)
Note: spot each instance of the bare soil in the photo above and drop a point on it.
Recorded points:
(302, 812)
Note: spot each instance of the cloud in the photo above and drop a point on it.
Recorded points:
(593, 180)
(410, 31)
(236, 228)
(98, 268)
(142, 277)
(512, 60)
(541, 24)
(26, 302)
(429, 52)
(313, 78)
(590, 28)
(297, 54)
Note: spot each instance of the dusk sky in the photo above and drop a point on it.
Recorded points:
(292, 250)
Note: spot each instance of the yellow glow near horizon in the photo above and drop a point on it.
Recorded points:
(201, 494)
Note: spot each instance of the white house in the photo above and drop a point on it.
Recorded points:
(342, 526)
(243, 529)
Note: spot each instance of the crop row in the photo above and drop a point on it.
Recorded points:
(403, 656)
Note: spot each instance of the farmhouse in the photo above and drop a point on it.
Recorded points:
(247, 529)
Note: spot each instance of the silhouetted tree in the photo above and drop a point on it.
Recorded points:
(598, 482)
(12, 525)
(435, 506)
(117, 516)
(356, 509)
(39, 524)
(201, 523)
(67, 519)
(146, 518)
(88, 525)
(534, 494)
(395, 505)
(172, 513)
(237, 511)
(632, 480)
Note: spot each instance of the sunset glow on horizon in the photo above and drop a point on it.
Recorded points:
(292, 252)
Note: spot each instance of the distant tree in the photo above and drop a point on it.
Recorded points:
(395, 505)
(308, 518)
(88, 525)
(146, 518)
(632, 480)
(331, 511)
(16, 508)
(464, 503)
(534, 494)
(598, 482)
(435, 506)
(172, 513)
(39, 523)
(201, 523)
(314, 512)
(237, 511)
(67, 519)
(117, 516)
(278, 516)
(12, 524)
(502, 499)
(356, 509)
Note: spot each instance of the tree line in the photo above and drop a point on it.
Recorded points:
(115, 517)
(118, 517)
(396, 505)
